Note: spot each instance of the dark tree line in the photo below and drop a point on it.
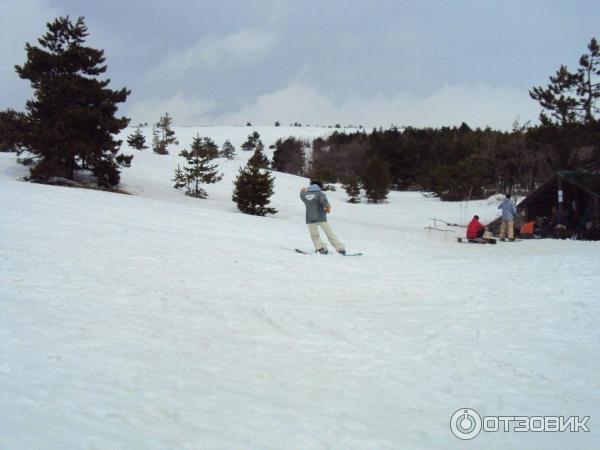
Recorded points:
(454, 163)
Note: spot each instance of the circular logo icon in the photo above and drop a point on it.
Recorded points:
(465, 423)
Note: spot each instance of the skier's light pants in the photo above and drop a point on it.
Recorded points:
(510, 224)
(313, 229)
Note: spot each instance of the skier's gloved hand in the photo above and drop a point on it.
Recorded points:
(328, 209)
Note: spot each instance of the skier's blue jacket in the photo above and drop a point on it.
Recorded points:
(315, 201)
(509, 211)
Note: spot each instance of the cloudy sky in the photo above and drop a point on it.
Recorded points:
(369, 62)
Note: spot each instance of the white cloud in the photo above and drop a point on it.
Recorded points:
(478, 105)
(212, 52)
(183, 109)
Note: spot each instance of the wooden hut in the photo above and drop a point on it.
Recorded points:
(577, 193)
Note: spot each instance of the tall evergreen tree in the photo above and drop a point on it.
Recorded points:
(227, 150)
(70, 123)
(568, 120)
(588, 86)
(199, 170)
(571, 96)
(163, 135)
(289, 156)
(254, 187)
(558, 98)
(137, 140)
(376, 180)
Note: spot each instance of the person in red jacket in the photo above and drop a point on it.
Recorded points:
(475, 229)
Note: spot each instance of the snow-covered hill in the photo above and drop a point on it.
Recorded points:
(158, 321)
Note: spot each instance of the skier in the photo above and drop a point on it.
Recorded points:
(475, 229)
(509, 212)
(317, 208)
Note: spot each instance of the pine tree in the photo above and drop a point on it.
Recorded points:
(571, 97)
(199, 169)
(557, 98)
(289, 156)
(568, 121)
(70, 124)
(251, 142)
(351, 185)
(588, 86)
(258, 158)
(180, 179)
(376, 180)
(227, 150)
(254, 187)
(157, 145)
(137, 140)
(163, 135)
(11, 123)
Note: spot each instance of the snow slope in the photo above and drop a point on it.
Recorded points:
(158, 321)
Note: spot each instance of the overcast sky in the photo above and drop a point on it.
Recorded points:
(374, 63)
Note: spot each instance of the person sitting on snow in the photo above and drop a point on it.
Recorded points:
(317, 208)
(475, 229)
(530, 230)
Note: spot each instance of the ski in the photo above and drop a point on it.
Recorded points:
(476, 240)
(314, 253)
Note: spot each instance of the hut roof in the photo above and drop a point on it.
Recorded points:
(585, 181)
